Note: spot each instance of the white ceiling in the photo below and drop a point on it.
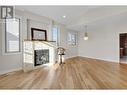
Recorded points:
(76, 16)
(56, 12)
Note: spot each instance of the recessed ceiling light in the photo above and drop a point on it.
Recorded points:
(64, 16)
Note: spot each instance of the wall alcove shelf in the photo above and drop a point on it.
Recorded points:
(50, 43)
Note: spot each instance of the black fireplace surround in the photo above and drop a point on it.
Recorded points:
(41, 57)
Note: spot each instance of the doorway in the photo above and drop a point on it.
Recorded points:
(123, 48)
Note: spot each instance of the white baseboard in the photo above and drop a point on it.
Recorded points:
(100, 59)
(71, 57)
(9, 71)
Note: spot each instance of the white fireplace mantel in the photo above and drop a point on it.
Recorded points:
(28, 53)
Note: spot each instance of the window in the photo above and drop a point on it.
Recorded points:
(12, 35)
(71, 38)
(55, 35)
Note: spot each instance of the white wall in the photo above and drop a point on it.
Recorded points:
(71, 51)
(103, 40)
(38, 25)
(36, 21)
(8, 62)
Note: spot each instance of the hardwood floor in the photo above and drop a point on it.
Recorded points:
(77, 73)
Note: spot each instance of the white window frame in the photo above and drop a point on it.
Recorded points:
(6, 51)
(4, 39)
(58, 35)
(70, 40)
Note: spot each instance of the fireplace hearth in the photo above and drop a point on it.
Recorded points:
(41, 57)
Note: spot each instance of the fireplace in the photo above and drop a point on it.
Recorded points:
(41, 57)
